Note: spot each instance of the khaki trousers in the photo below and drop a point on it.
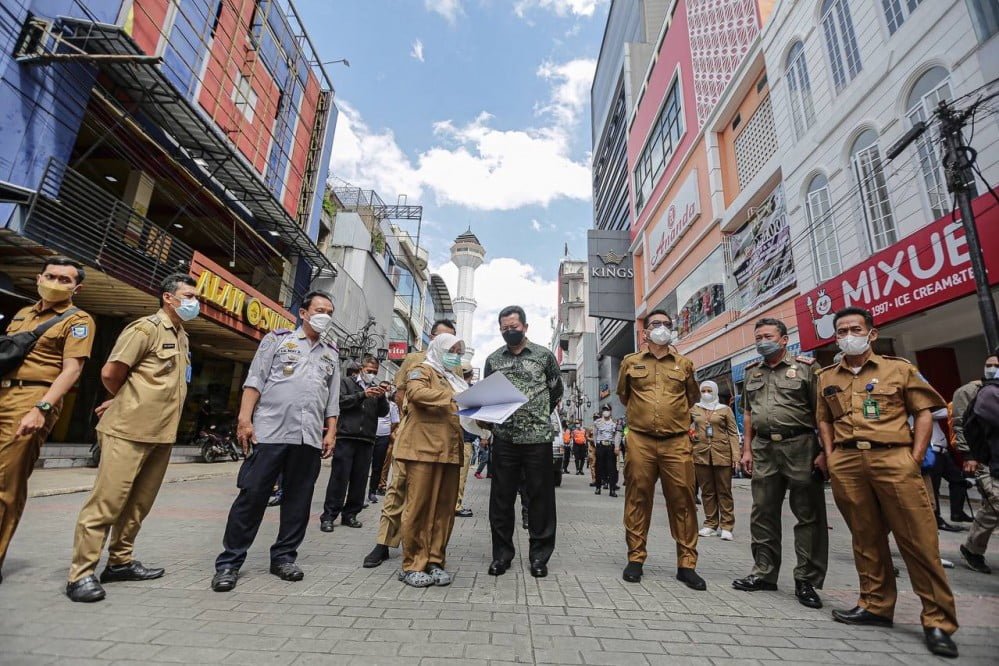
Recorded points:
(428, 517)
(18, 456)
(128, 480)
(880, 491)
(383, 481)
(591, 461)
(388, 524)
(669, 460)
(715, 482)
(988, 515)
(463, 476)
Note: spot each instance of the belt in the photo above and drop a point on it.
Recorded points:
(10, 383)
(606, 442)
(781, 435)
(862, 445)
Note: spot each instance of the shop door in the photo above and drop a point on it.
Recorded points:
(939, 366)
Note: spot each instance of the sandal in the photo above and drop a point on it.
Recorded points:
(416, 579)
(439, 576)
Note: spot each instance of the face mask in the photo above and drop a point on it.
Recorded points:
(767, 348)
(513, 337)
(320, 322)
(661, 335)
(53, 292)
(452, 360)
(708, 397)
(188, 309)
(990, 372)
(367, 378)
(853, 345)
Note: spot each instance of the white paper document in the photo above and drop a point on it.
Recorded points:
(493, 400)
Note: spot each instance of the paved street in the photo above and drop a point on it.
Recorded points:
(583, 613)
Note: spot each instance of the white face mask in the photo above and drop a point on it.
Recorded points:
(661, 336)
(320, 322)
(709, 397)
(854, 345)
(990, 372)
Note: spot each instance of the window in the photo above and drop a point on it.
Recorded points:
(873, 190)
(896, 11)
(841, 42)
(664, 137)
(926, 94)
(799, 89)
(820, 220)
(985, 17)
(244, 98)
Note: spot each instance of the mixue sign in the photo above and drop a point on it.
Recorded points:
(928, 268)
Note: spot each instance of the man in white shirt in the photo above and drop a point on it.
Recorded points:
(386, 430)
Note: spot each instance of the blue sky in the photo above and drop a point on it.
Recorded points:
(479, 111)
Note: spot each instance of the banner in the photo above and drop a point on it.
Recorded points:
(760, 252)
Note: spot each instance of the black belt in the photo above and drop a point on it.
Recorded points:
(864, 445)
(606, 442)
(781, 435)
(11, 383)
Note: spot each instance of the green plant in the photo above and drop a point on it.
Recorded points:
(377, 241)
(328, 206)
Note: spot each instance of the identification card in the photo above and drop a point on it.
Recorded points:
(871, 409)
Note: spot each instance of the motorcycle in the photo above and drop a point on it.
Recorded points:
(216, 444)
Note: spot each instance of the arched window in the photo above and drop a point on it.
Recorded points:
(820, 220)
(896, 11)
(866, 157)
(841, 42)
(799, 89)
(928, 91)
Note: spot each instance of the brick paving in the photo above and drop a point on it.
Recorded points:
(583, 613)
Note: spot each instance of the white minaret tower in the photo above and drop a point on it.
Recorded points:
(467, 254)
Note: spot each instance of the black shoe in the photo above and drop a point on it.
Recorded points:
(939, 643)
(944, 526)
(690, 578)
(975, 562)
(613, 492)
(753, 583)
(287, 571)
(594, 485)
(131, 571)
(597, 491)
(579, 473)
(961, 518)
(498, 568)
(858, 615)
(326, 525)
(377, 555)
(225, 579)
(633, 572)
(807, 596)
(539, 569)
(351, 522)
(464, 513)
(275, 500)
(372, 499)
(86, 590)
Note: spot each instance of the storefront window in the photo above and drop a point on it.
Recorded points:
(700, 297)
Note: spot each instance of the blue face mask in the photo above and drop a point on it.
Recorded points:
(188, 309)
(452, 360)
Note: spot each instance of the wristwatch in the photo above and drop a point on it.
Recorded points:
(44, 407)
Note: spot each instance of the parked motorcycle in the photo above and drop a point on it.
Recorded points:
(217, 444)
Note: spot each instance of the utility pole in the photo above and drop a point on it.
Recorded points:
(960, 181)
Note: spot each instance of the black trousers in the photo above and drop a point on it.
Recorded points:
(945, 468)
(298, 464)
(566, 457)
(579, 451)
(348, 479)
(606, 466)
(378, 461)
(532, 464)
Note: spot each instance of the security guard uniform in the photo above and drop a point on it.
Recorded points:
(658, 394)
(877, 484)
(136, 434)
(780, 403)
(24, 388)
(606, 440)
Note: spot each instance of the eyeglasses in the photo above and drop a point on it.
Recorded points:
(658, 324)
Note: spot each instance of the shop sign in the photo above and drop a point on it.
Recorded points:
(681, 213)
(926, 269)
(760, 253)
(611, 281)
(397, 351)
(233, 303)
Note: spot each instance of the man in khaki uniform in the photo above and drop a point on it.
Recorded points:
(658, 388)
(31, 396)
(782, 453)
(874, 458)
(146, 375)
(389, 534)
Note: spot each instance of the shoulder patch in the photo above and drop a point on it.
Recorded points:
(80, 331)
(807, 360)
(415, 374)
(144, 326)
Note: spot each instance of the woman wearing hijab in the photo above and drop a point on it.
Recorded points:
(716, 455)
(429, 443)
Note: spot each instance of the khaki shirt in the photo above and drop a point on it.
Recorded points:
(722, 448)
(73, 337)
(149, 405)
(781, 398)
(897, 388)
(430, 431)
(658, 393)
(412, 360)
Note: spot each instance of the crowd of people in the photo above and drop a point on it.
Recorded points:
(868, 424)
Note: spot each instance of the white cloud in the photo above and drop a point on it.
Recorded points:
(449, 9)
(571, 88)
(417, 51)
(560, 7)
(495, 283)
(536, 225)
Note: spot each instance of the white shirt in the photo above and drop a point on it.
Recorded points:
(385, 423)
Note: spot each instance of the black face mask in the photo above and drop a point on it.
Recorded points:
(513, 337)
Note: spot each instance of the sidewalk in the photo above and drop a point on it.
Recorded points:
(63, 481)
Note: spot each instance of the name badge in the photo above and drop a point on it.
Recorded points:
(871, 409)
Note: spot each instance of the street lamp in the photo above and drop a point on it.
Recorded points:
(333, 62)
(357, 345)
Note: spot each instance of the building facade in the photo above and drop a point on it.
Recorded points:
(574, 343)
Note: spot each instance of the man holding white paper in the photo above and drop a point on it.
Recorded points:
(522, 443)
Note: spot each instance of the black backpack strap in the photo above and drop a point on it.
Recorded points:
(41, 330)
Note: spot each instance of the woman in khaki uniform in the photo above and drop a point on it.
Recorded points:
(716, 453)
(429, 444)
